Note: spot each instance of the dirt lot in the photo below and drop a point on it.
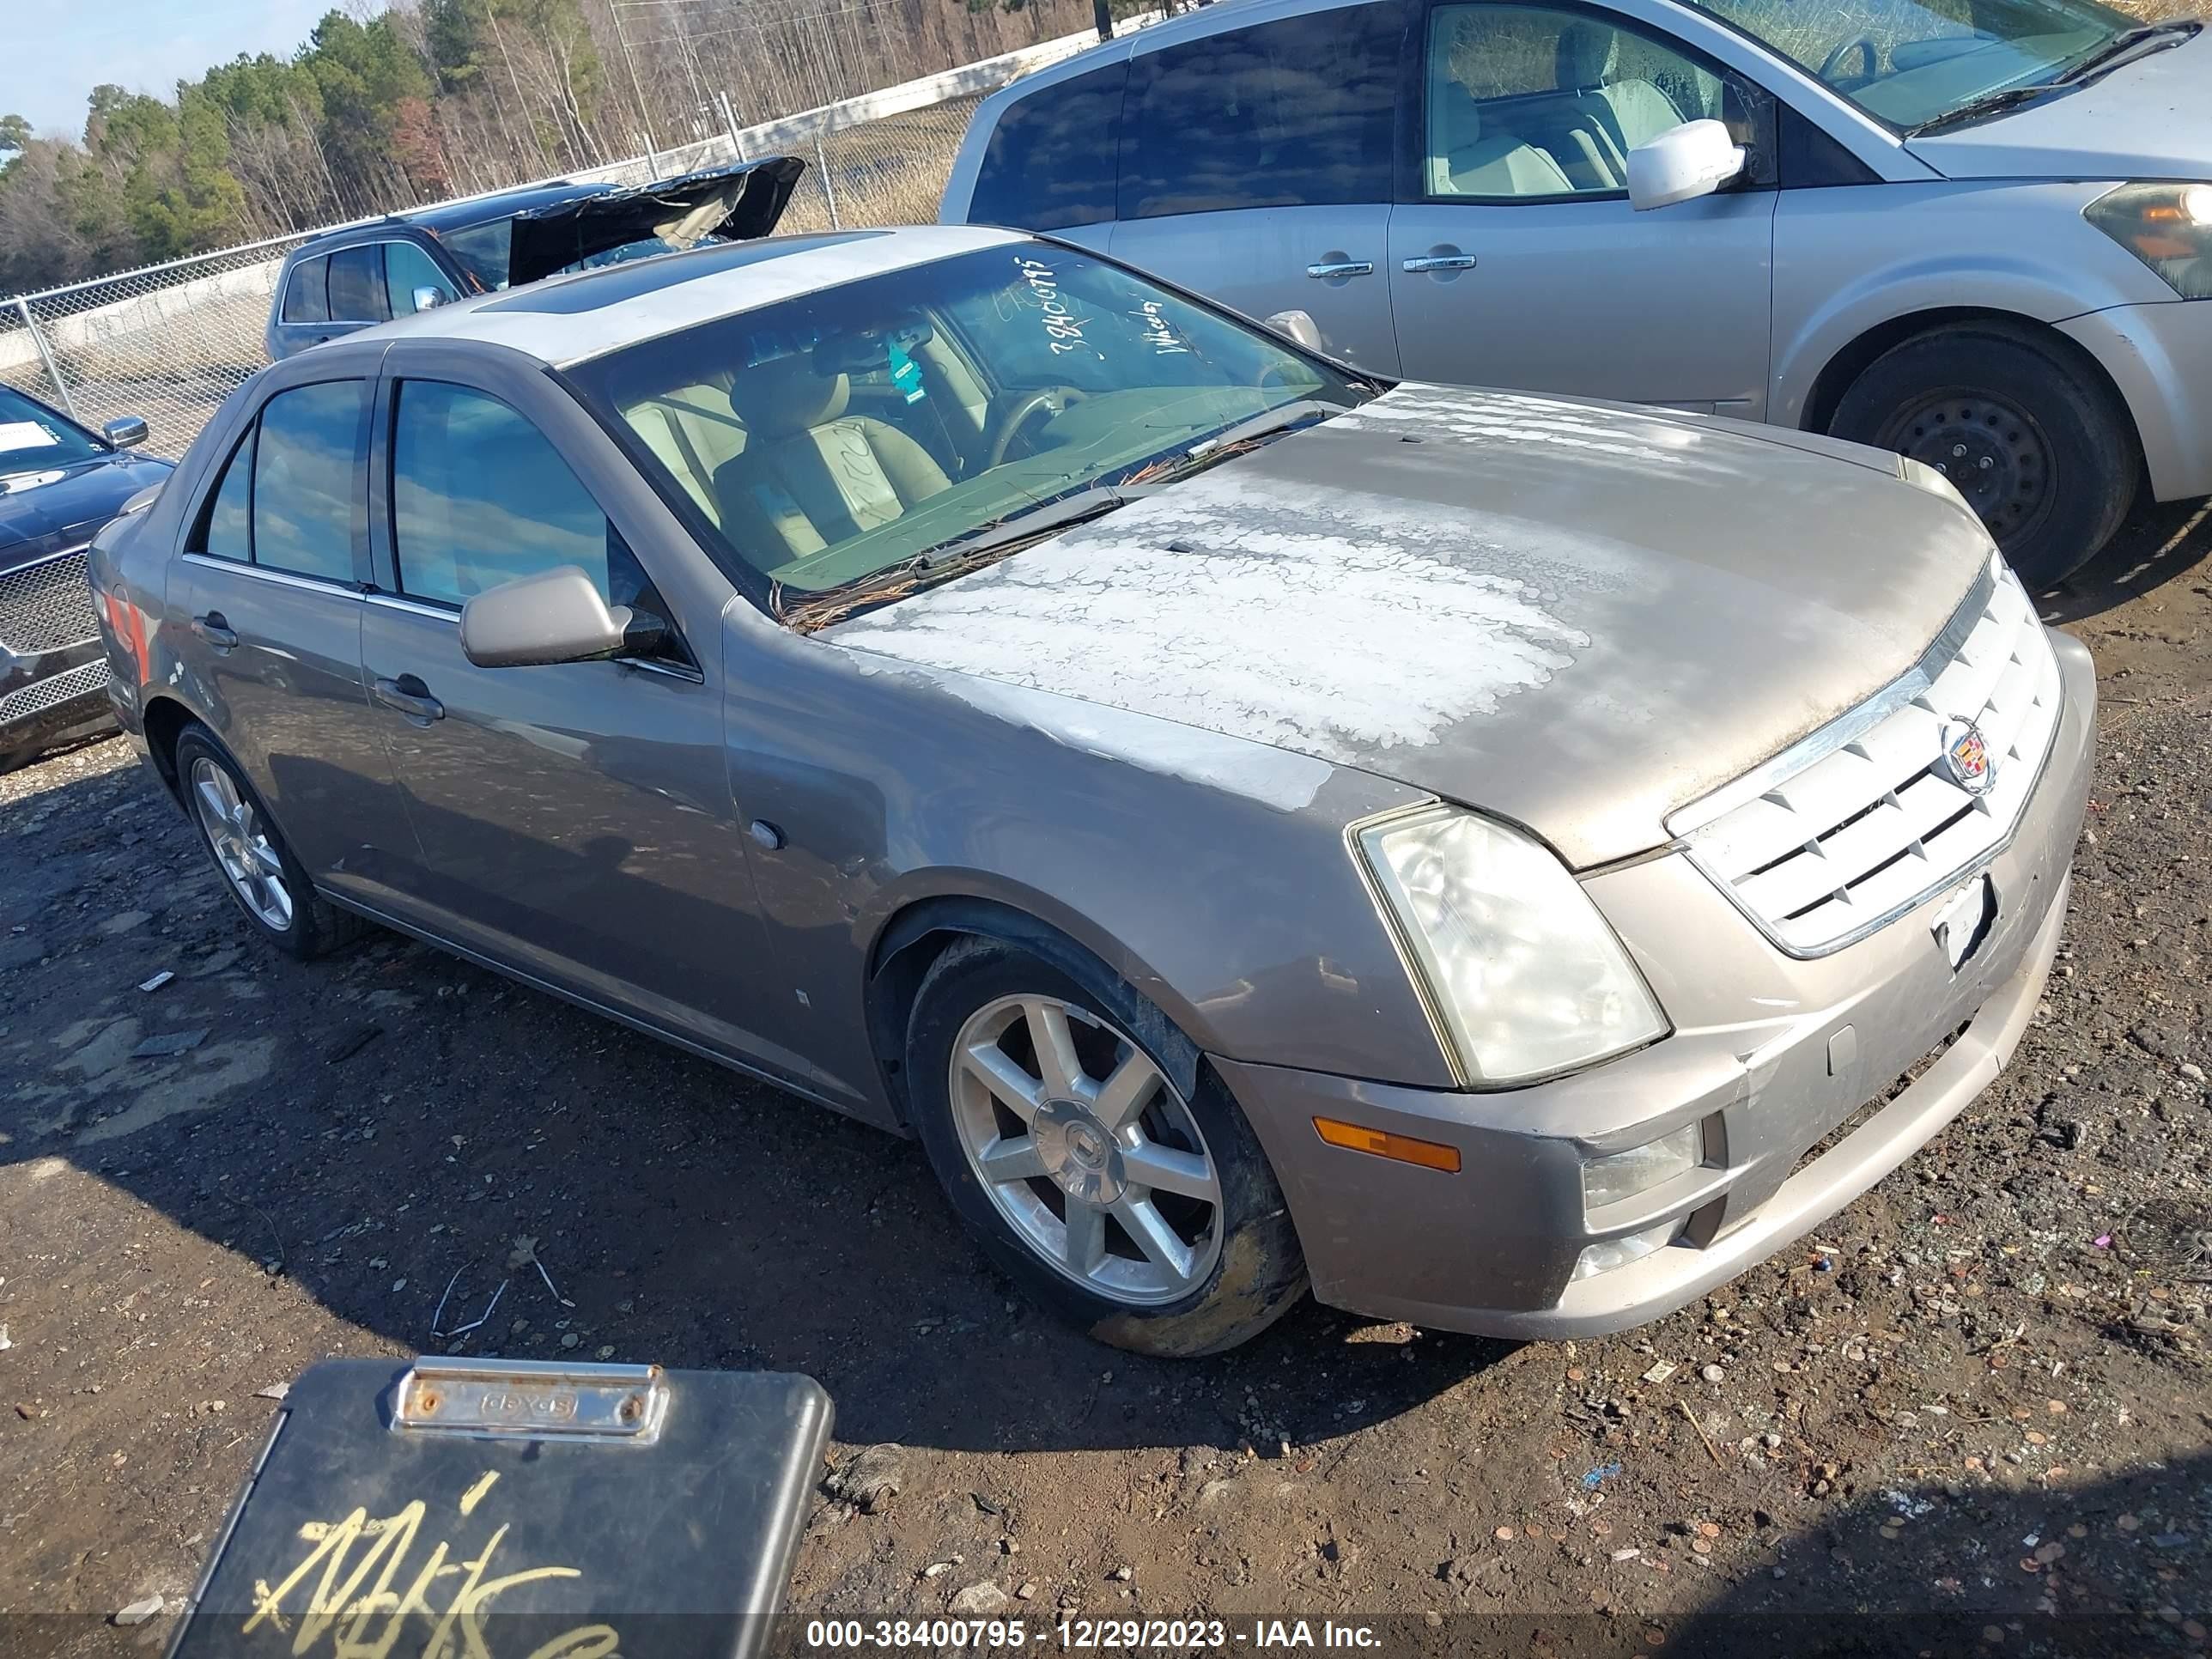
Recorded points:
(1982, 1400)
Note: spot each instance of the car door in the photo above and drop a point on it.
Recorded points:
(574, 821)
(273, 560)
(1255, 169)
(1516, 258)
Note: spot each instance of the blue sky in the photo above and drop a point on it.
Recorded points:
(56, 52)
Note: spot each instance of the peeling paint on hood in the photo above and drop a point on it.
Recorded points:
(1576, 616)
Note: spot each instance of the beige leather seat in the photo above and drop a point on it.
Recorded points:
(1624, 113)
(809, 475)
(1464, 160)
(694, 433)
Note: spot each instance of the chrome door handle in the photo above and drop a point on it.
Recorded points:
(1441, 262)
(411, 698)
(215, 631)
(1342, 268)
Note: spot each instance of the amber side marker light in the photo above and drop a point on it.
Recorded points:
(1383, 1144)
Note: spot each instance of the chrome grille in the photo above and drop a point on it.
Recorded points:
(1841, 833)
(46, 606)
(55, 689)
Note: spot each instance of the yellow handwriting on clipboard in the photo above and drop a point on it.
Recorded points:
(359, 1619)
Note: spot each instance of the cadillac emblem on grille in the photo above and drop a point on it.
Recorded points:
(1965, 760)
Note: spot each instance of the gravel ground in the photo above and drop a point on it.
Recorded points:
(1973, 1415)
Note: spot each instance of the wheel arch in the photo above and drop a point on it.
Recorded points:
(164, 718)
(914, 938)
(1844, 365)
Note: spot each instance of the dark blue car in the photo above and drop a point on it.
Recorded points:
(58, 485)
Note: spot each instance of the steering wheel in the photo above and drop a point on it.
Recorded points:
(1831, 65)
(1050, 401)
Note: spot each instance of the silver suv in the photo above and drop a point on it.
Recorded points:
(1976, 234)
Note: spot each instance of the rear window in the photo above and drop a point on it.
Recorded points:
(1284, 114)
(303, 293)
(1050, 162)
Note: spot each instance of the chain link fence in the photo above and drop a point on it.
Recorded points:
(171, 342)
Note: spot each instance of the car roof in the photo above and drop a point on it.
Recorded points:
(454, 215)
(588, 313)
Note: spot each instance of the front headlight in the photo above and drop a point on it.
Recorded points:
(1516, 963)
(2167, 227)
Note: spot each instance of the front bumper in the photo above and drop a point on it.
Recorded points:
(1771, 1053)
(2159, 356)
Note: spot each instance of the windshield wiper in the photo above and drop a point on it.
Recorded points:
(964, 552)
(2123, 44)
(1284, 417)
(1989, 103)
(2100, 59)
(1026, 525)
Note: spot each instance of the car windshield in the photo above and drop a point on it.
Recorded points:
(33, 439)
(870, 427)
(482, 250)
(1913, 62)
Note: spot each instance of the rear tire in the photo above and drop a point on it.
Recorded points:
(1048, 1162)
(269, 885)
(2042, 452)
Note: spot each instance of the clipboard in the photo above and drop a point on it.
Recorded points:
(479, 1509)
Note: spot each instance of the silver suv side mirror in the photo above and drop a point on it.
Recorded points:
(1695, 159)
(427, 298)
(1298, 326)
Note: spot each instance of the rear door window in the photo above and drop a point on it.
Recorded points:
(357, 285)
(1294, 113)
(1051, 161)
(309, 498)
(304, 300)
(228, 532)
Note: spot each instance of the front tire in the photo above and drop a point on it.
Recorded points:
(2043, 452)
(1145, 1214)
(269, 885)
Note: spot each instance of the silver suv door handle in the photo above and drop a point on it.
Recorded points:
(1342, 268)
(1441, 262)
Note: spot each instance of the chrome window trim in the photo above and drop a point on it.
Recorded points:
(413, 607)
(269, 573)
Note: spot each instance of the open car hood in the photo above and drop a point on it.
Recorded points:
(736, 204)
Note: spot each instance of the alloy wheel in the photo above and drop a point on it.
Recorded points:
(248, 858)
(1087, 1150)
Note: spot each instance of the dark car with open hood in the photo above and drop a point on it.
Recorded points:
(396, 266)
(59, 483)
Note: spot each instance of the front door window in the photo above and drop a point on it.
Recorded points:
(1526, 101)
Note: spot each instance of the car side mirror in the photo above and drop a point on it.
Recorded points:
(125, 431)
(1695, 159)
(555, 616)
(1297, 325)
(427, 298)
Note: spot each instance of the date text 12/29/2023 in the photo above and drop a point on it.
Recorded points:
(1086, 1635)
